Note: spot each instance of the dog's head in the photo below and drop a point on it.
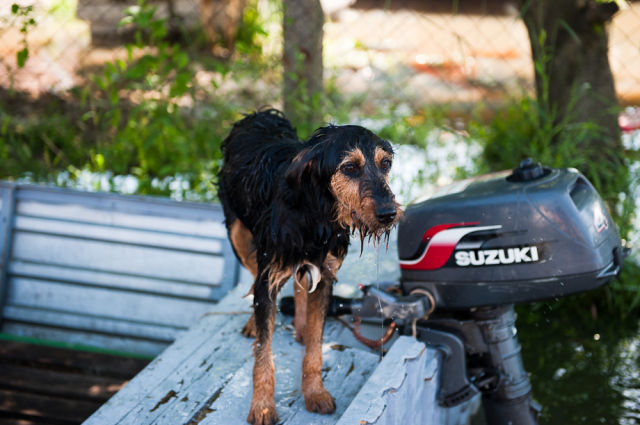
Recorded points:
(353, 166)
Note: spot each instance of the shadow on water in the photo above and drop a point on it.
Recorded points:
(583, 370)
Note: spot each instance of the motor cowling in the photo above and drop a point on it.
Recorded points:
(517, 236)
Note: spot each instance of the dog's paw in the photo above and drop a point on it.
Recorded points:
(249, 329)
(262, 414)
(320, 402)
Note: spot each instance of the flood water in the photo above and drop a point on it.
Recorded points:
(583, 371)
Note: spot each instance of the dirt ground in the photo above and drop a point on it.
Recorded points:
(426, 55)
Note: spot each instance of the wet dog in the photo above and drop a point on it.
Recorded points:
(290, 207)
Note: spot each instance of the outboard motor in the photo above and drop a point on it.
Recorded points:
(471, 252)
(532, 234)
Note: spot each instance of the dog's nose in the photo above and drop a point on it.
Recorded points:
(386, 215)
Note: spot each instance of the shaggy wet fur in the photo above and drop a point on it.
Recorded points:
(290, 207)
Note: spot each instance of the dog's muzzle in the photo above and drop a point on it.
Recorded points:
(386, 214)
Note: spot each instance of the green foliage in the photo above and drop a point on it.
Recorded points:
(250, 32)
(21, 17)
(26, 22)
(147, 129)
(38, 144)
(528, 128)
(63, 9)
(393, 119)
(158, 114)
(135, 107)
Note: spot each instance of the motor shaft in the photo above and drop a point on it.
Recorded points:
(506, 400)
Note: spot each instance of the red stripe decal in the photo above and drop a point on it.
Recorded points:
(440, 227)
(442, 240)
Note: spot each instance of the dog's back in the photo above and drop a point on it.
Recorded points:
(256, 152)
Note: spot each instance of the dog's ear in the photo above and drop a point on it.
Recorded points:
(304, 168)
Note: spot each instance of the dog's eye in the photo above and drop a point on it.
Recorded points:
(385, 165)
(350, 169)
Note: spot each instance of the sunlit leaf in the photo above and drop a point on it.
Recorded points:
(22, 56)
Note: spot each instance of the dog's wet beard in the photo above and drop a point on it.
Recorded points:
(378, 236)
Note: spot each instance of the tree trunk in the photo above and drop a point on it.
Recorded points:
(302, 60)
(574, 82)
(220, 20)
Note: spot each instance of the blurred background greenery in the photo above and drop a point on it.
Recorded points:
(148, 101)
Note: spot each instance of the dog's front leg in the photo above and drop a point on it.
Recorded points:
(263, 407)
(316, 397)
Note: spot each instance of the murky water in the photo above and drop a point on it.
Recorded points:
(582, 371)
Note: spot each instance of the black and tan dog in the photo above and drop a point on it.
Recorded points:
(290, 207)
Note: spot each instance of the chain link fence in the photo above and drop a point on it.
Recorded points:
(431, 53)
(422, 52)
